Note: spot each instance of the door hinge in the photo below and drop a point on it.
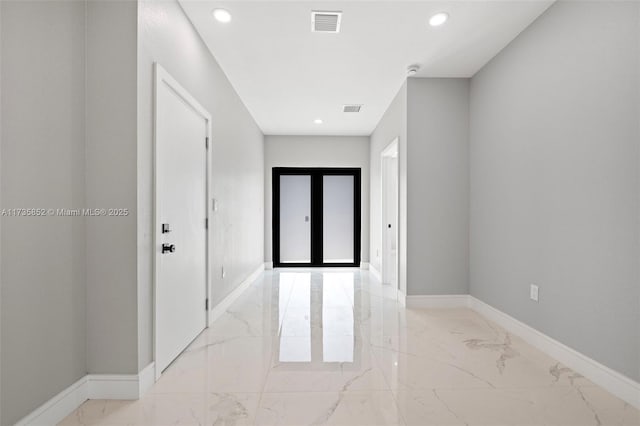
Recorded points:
(206, 142)
(206, 223)
(206, 304)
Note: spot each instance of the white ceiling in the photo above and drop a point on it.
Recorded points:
(288, 76)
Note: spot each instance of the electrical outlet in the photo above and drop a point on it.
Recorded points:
(533, 292)
(224, 273)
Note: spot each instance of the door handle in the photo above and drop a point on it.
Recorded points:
(306, 218)
(168, 248)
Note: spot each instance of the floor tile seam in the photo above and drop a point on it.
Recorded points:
(192, 393)
(379, 365)
(336, 391)
(484, 388)
(397, 405)
(269, 369)
(286, 309)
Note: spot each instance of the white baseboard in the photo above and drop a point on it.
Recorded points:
(402, 298)
(618, 384)
(364, 265)
(375, 272)
(268, 266)
(113, 386)
(146, 379)
(222, 307)
(614, 382)
(91, 386)
(58, 407)
(438, 301)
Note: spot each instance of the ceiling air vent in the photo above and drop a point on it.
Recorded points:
(325, 22)
(351, 108)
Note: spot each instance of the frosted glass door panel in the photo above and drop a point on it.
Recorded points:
(337, 219)
(295, 219)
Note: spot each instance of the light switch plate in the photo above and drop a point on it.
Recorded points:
(533, 293)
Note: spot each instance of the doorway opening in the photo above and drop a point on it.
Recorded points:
(316, 217)
(390, 200)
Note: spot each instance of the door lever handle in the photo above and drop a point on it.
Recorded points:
(168, 248)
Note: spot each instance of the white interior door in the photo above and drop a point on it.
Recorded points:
(181, 210)
(390, 189)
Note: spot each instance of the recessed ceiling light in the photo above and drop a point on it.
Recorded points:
(318, 121)
(222, 15)
(438, 19)
(413, 69)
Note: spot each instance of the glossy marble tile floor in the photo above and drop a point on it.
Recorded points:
(315, 347)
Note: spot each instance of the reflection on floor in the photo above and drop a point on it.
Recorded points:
(332, 347)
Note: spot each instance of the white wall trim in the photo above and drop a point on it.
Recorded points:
(402, 298)
(113, 386)
(91, 386)
(618, 384)
(58, 407)
(146, 379)
(268, 266)
(364, 265)
(375, 272)
(222, 307)
(438, 301)
(391, 150)
(614, 382)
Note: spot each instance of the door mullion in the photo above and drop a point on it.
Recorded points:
(356, 218)
(275, 215)
(316, 219)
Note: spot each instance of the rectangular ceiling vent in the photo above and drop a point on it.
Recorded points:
(325, 21)
(351, 108)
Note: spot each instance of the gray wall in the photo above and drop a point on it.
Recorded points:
(316, 151)
(392, 125)
(438, 186)
(555, 179)
(111, 183)
(72, 93)
(237, 228)
(43, 290)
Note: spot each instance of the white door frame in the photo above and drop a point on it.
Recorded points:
(392, 148)
(162, 77)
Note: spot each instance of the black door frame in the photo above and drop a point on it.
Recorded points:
(316, 174)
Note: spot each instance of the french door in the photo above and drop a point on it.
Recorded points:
(316, 217)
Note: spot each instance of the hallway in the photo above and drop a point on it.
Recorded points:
(332, 346)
